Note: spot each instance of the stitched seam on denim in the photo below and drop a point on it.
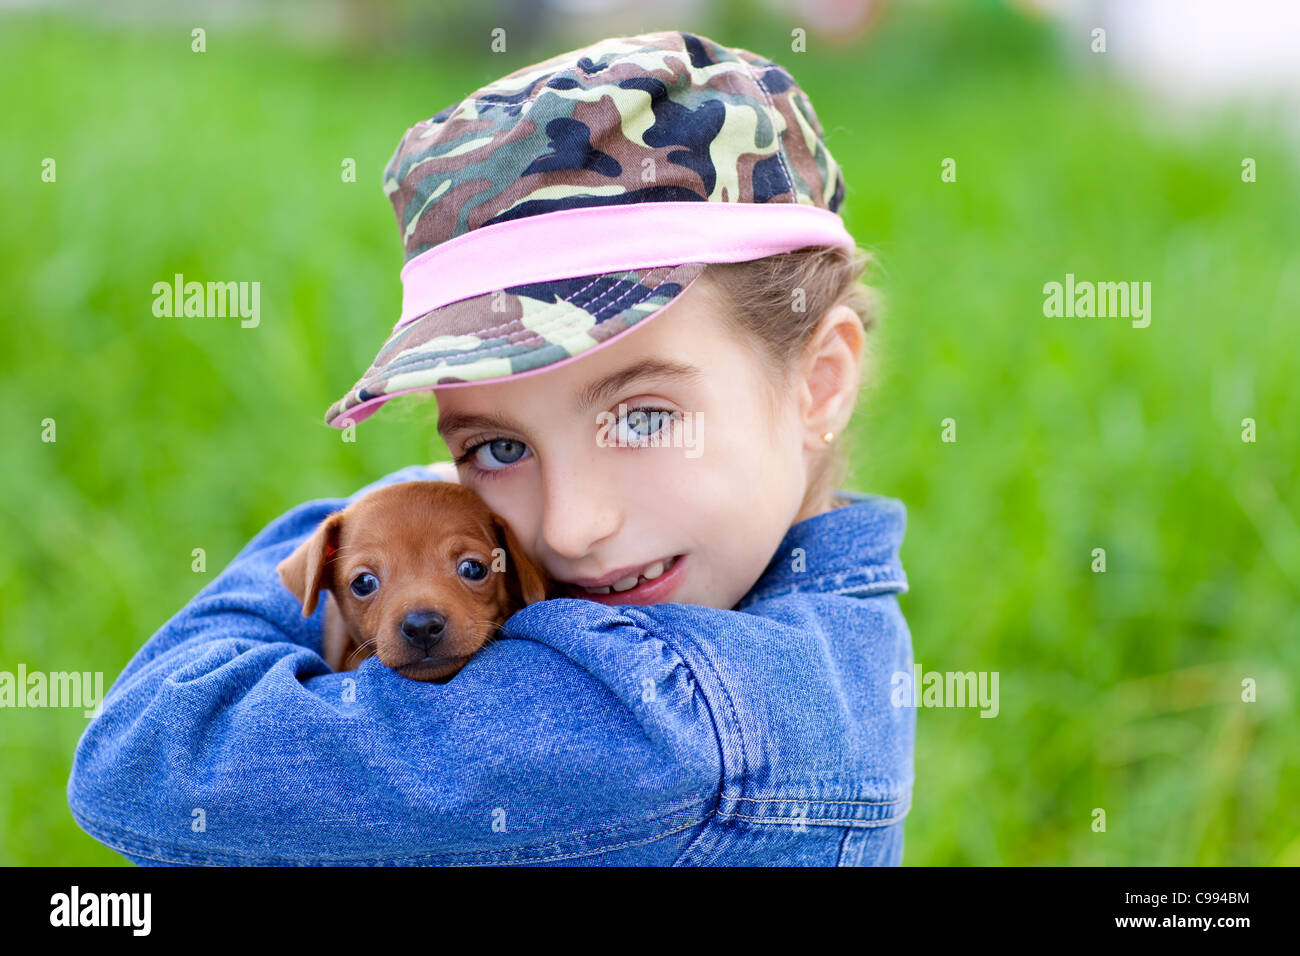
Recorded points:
(888, 571)
(820, 821)
(865, 590)
(825, 584)
(873, 588)
(852, 822)
(840, 856)
(133, 837)
(194, 858)
(739, 735)
(722, 758)
(893, 816)
(870, 573)
(603, 831)
(735, 718)
(801, 800)
(856, 823)
(776, 134)
(595, 850)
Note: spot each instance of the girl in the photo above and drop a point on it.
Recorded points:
(629, 289)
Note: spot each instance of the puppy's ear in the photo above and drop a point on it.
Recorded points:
(526, 580)
(303, 571)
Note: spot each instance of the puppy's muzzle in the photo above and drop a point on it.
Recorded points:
(423, 629)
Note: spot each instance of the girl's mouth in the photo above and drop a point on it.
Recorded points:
(652, 585)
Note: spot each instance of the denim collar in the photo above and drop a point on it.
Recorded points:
(851, 550)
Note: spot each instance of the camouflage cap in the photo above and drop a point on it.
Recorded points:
(562, 205)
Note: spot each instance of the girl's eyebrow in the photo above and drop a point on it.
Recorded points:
(593, 394)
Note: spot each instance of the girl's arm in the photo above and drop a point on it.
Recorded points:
(227, 739)
(584, 733)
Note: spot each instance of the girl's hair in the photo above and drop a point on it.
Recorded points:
(777, 305)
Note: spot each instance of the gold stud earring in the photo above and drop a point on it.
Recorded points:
(828, 437)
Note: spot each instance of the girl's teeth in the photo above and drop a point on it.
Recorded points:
(628, 583)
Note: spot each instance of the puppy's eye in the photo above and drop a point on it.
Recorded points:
(471, 569)
(365, 584)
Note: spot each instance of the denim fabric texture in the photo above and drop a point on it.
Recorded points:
(670, 734)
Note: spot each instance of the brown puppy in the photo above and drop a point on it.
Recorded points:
(421, 573)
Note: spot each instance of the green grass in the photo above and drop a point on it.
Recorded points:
(1119, 691)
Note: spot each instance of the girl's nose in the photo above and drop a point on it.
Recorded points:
(580, 508)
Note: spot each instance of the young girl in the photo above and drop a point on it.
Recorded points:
(628, 286)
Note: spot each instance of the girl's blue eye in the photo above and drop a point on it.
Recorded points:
(496, 454)
(640, 424)
(365, 584)
(636, 427)
(471, 569)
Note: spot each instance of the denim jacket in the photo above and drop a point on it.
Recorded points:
(585, 734)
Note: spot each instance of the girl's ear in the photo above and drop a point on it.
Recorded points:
(526, 580)
(832, 374)
(303, 571)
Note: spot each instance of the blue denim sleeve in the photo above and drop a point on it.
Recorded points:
(873, 846)
(228, 740)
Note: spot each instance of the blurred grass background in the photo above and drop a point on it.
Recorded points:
(1119, 691)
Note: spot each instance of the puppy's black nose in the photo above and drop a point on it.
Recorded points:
(423, 629)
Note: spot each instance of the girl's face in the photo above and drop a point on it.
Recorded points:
(569, 458)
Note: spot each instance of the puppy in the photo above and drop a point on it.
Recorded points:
(420, 573)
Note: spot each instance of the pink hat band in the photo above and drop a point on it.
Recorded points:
(596, 240)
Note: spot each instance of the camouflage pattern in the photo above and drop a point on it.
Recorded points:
(660, 117)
